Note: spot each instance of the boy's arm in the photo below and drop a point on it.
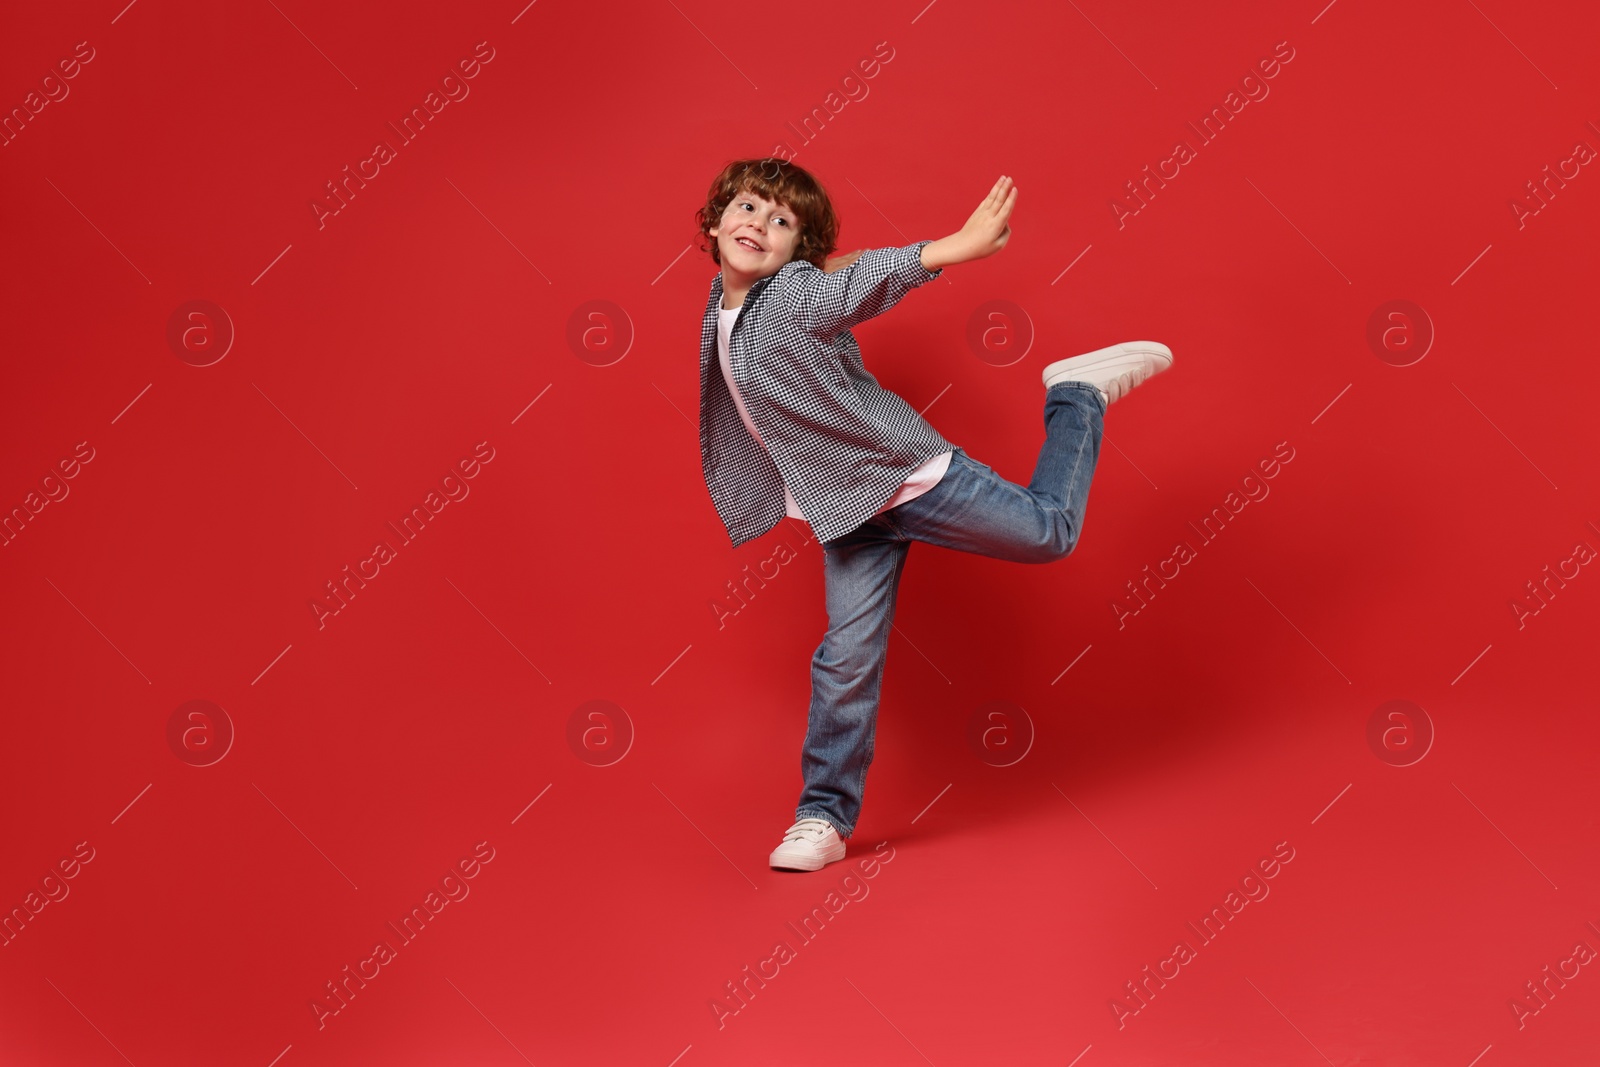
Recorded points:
(853, 288)
(828, 302)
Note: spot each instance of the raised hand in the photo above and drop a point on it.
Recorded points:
(984, 234)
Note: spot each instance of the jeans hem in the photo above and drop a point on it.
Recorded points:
(1082, 385)
(810, 814)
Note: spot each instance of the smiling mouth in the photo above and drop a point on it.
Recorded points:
(745, 242)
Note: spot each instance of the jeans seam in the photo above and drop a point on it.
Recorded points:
(1072, 480)
(1077, 461)
(882, 656)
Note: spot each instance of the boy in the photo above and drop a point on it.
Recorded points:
(793, 424)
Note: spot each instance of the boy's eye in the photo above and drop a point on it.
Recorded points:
(752, 207)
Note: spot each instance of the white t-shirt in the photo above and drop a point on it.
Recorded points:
(918, 482)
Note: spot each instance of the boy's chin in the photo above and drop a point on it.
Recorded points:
(766, 270)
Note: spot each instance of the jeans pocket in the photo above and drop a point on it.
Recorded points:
(975, 463)
(942, 504)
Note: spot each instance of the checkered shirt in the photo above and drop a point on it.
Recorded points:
(842, 443)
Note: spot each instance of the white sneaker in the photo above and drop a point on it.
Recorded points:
(809, 845)
(1114, 370)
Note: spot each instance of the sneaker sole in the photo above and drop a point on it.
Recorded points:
(804, 863)
(1126, 354)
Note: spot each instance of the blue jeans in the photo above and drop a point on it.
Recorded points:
(972, 509)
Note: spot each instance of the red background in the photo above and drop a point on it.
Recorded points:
(369, 756)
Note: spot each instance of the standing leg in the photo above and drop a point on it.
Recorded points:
(862, 572)
(974, 509)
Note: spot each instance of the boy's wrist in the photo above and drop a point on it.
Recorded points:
(936, 255)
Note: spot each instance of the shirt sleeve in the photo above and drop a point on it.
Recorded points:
(824, 303)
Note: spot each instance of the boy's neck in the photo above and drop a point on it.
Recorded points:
(735, 285)
(734, 289)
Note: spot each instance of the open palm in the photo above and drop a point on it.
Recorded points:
(989, 228)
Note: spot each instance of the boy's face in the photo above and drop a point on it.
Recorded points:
(756, 236)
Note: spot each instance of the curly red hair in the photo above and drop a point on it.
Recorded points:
(781, 182)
